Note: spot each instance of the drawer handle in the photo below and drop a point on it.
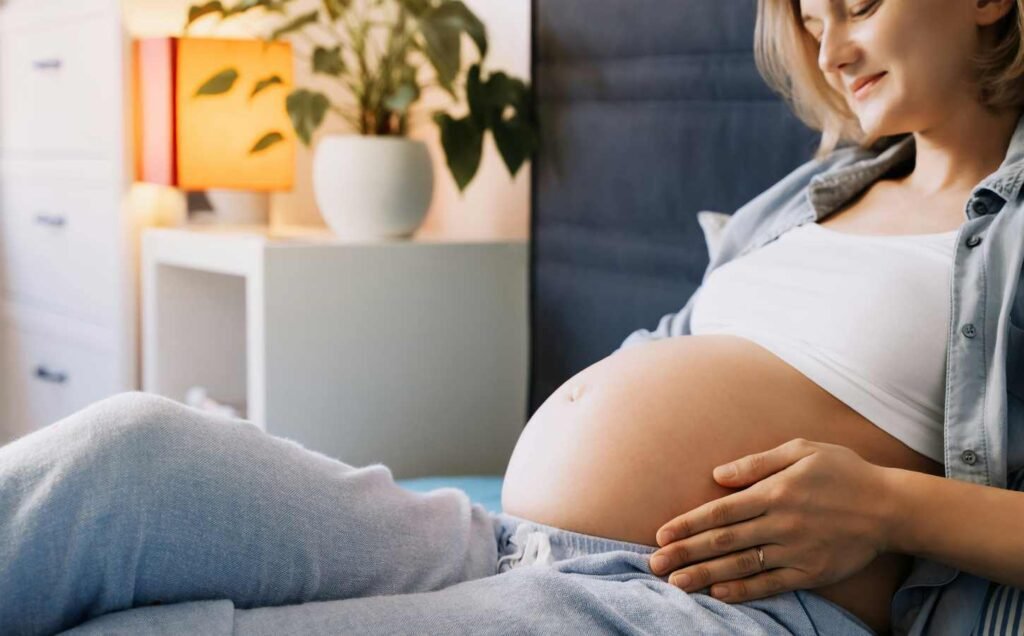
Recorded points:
(56, 377)
(47, 64)
(53, 220)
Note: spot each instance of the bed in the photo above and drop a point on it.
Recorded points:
(651, 112)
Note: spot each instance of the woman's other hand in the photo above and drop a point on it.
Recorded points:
(819, 511)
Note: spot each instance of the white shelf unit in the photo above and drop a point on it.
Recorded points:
(409, 353)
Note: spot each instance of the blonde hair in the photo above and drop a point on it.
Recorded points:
(787, 57)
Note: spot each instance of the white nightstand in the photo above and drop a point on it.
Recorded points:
(410, 353)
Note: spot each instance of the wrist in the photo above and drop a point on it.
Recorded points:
(897, 510)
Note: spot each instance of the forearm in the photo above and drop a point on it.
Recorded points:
(977, 529)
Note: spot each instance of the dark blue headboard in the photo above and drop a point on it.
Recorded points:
(651, 110)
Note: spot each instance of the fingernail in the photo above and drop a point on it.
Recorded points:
(664, 537)
(659, 563)
(719, 591)
(728, 471)
(682, 580)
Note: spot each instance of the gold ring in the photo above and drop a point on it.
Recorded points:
(760, 557)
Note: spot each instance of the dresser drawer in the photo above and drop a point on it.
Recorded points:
(61, 245)
(34, 10)
(45, 377)
(62, 94)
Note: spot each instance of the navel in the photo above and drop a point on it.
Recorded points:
(576, 392)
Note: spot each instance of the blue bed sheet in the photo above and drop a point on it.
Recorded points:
(482, 489)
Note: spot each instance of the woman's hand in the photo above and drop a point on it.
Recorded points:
(819, 511)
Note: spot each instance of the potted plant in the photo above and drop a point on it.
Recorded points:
(384, 54)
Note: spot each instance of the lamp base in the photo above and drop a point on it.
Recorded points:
(228, 207)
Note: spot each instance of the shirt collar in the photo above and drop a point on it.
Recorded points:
(830, 190)
(1008, 180)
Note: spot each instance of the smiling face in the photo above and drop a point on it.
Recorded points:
(923, 47)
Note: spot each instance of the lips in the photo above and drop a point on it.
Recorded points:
(860, 83)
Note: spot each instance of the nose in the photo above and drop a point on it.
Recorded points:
(836, 49)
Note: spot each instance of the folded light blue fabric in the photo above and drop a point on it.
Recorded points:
(482, 489)
(139, 515)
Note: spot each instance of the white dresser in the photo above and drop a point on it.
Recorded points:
(68, 240)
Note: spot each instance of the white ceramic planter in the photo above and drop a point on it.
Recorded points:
(372, 187)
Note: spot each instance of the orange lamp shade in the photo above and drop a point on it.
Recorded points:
(198, 142)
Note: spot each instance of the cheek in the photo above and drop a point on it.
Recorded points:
(935, 56)
(931, 80)
(913, 72)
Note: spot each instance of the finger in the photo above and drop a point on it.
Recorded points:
(752, 468)
(721, 512)
(758, 586)
(731, 567)
(711, 544)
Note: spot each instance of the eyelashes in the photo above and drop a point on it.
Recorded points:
(865, 9)
(857, 13)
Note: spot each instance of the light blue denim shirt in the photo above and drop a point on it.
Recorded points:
(984, 408)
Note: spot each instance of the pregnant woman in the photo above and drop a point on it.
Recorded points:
(866, 302)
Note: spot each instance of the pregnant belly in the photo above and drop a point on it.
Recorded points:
(630, 442)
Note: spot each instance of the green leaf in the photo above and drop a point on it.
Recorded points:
(275, 6)
(405, 95)
(516, 135)
(219, 83)
(278, 7)
(197, 11)
(403, 91)
(415, 7)
(306, 109)
(242, 7)
(328, 61)
(267, 141)
(441, 41)
(463, 146)
(264, 84)
(517, 140)
(479, 101)
(442, 28)
(295, 24)
(458, 16)
(506, 91)
(336, 8)
(487, 100)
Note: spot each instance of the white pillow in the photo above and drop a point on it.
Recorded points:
(713, 224)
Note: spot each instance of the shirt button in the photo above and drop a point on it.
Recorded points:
(974, 241)
(979, 207)
(969, 330)
(969, 457)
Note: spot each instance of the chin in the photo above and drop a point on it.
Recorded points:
(889, 115)
(878, 123)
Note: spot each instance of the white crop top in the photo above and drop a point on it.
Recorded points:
(863, 316)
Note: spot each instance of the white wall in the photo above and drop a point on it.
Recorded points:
(493, 207)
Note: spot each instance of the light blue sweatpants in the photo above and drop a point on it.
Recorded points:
(139, 515)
